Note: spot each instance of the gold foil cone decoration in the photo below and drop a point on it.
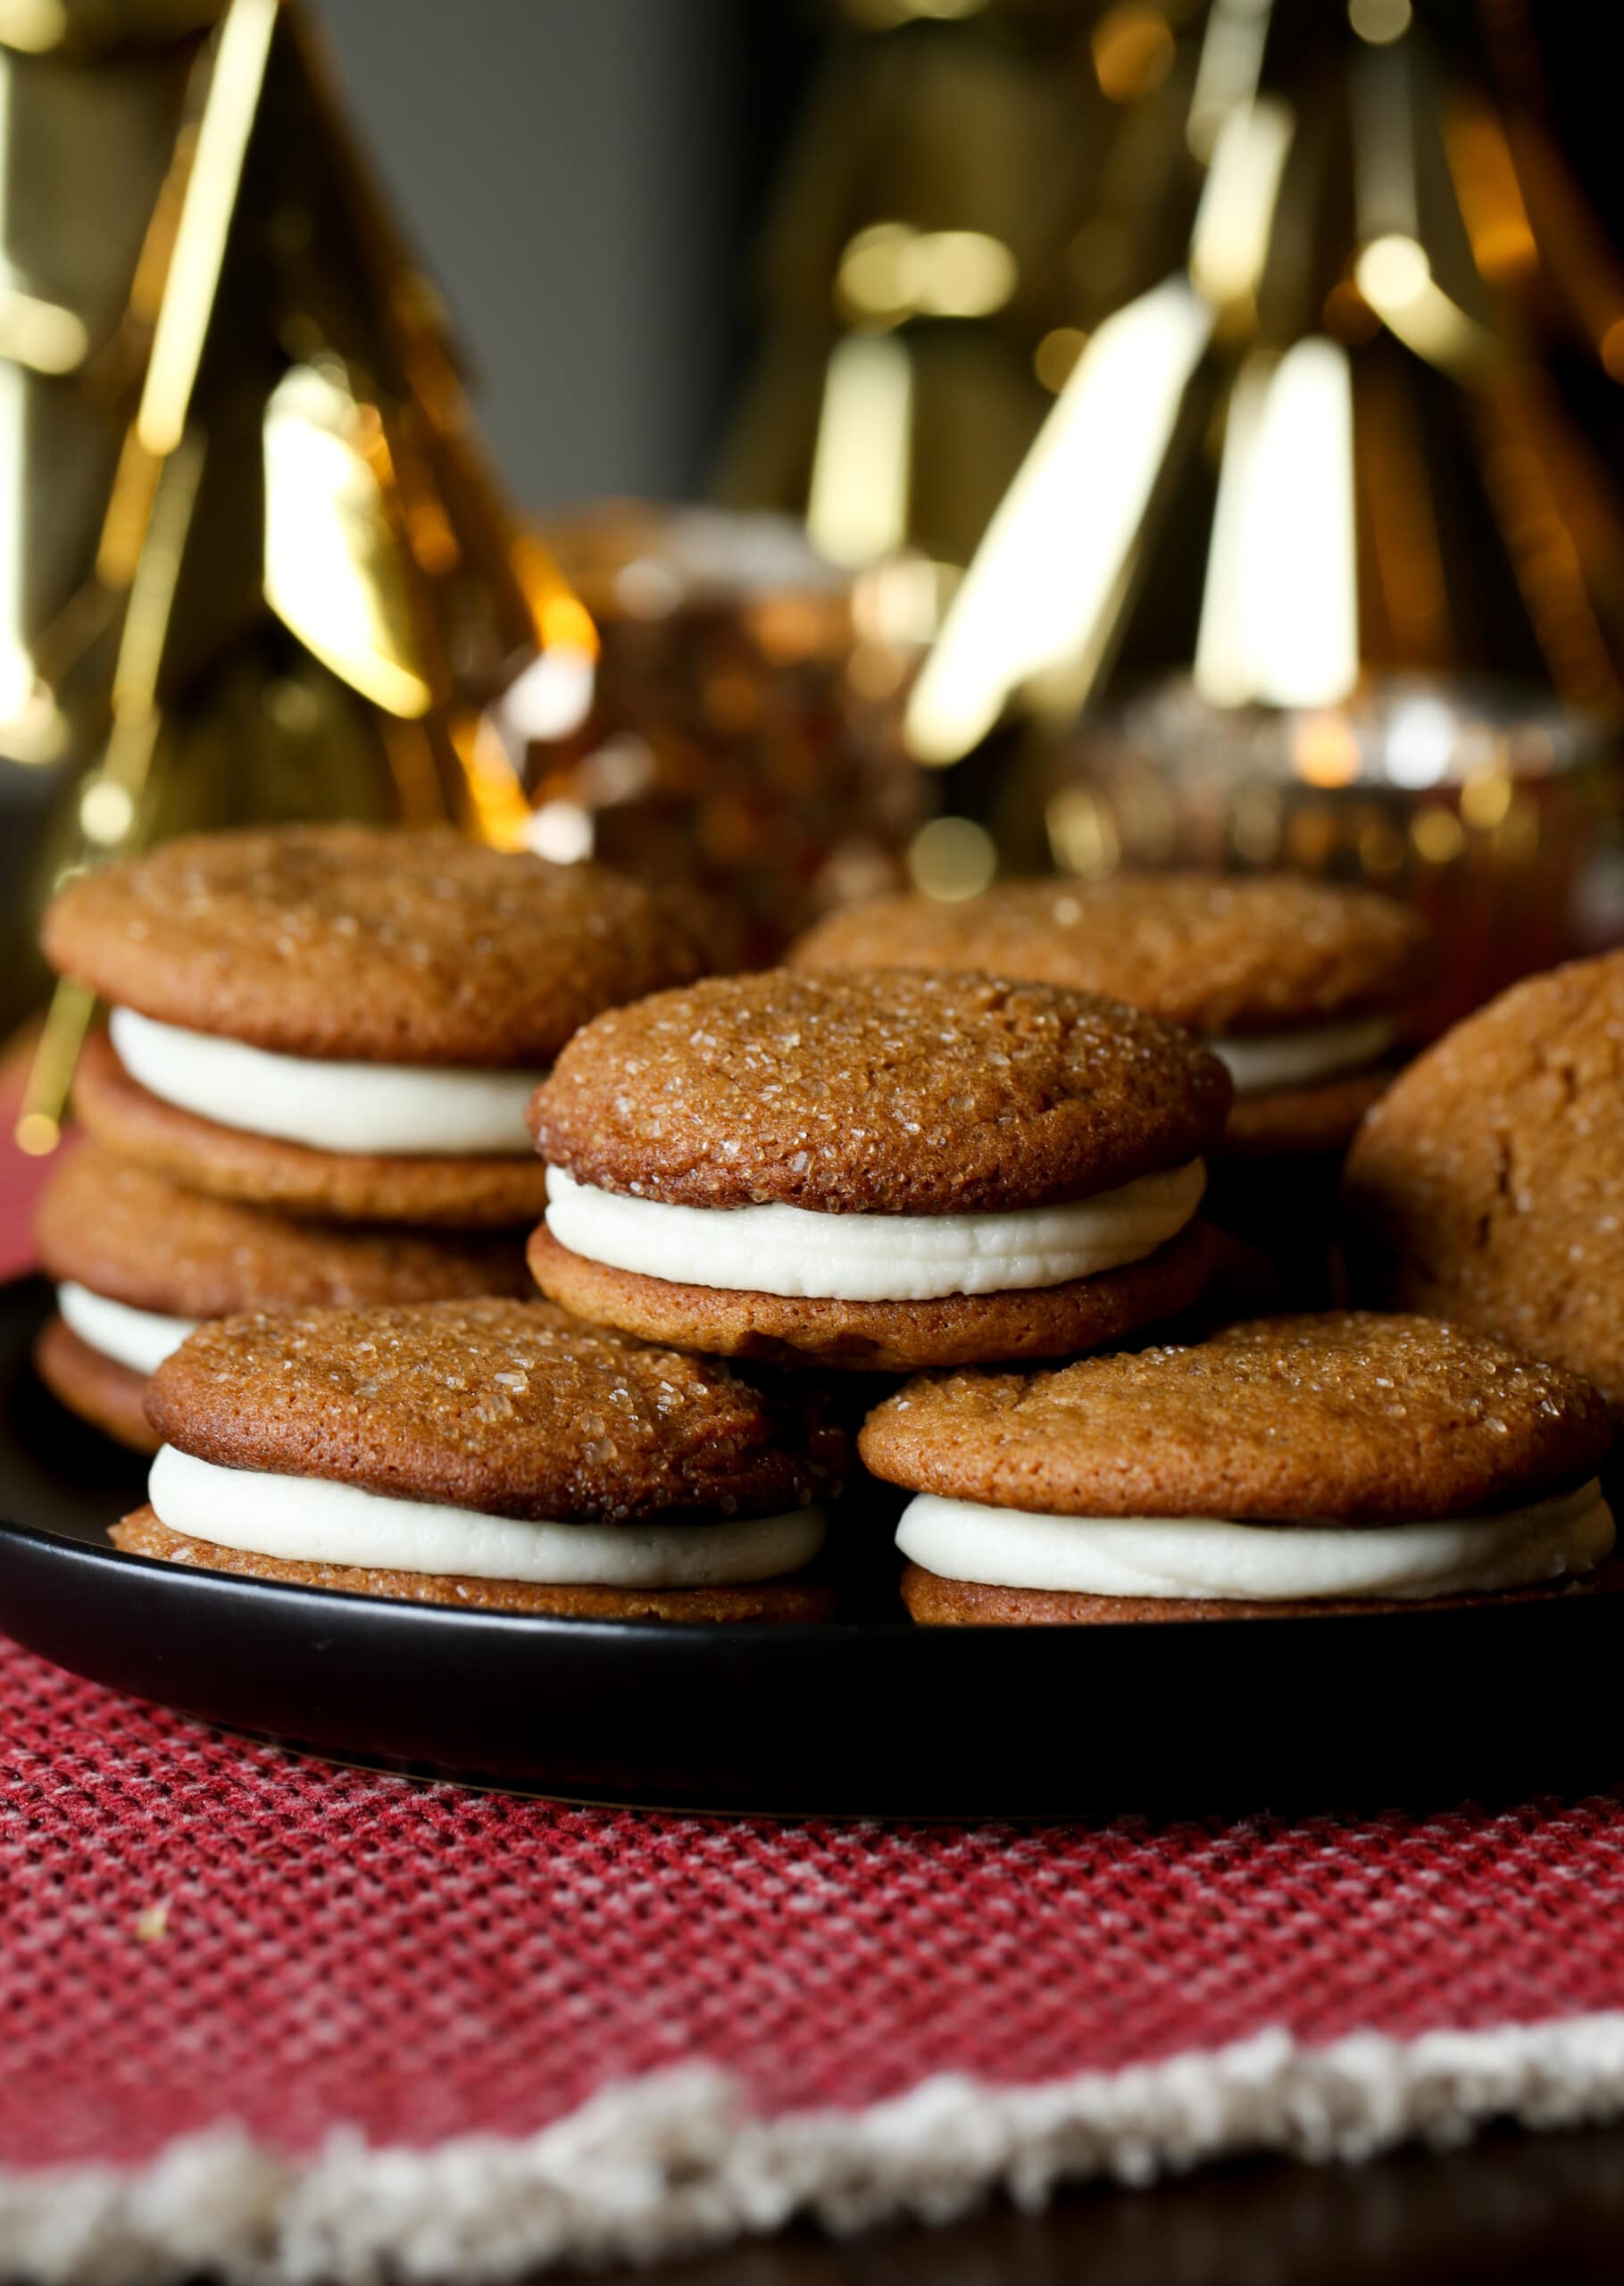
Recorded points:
(263, 569)
(969, 192)
(1317, 491)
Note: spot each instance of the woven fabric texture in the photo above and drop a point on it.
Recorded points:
(200, 1931)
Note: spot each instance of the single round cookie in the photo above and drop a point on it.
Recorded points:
(875, 1092)
(1345, 1414)
(417, 1450)
(513, 1409)
(1217, 953)
(366, 943)
(1487, 1185)
(446, 1192)
(1301, 1463)
(876, 1169)
(884, 1336)
(139, 1261)
(111, 1397)
(1300, 986)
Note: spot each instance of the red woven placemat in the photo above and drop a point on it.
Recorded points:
(200, 1931)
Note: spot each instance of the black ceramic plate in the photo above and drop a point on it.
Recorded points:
(865, 1714)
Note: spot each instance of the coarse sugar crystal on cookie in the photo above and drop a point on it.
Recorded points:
(491, 1455)
(139, 1261)
(348, 1021)
(1300, 986)
(877, 1170)
(1487, 1186)
(1340, 1461)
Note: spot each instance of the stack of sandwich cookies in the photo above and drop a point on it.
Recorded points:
(139, 1262)
(347, 1022)
(876, 1169)
(1300, 987)
(494, 1456)
(1488, 1185)
(1343, 1461)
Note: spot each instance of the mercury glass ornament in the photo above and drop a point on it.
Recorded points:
(728, 727)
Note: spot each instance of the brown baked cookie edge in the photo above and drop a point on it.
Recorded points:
(96, 1387)
(933, 1601)
(470, 1193)
(883, 1336)
(779, 1601)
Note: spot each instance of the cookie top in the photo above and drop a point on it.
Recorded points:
(1346, 1416)
(364, 942)
(877, 1092)
(123, 1230)
(1487, 1185)
(1220, 954)
(510, 1408)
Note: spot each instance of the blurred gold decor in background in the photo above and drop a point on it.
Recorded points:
(737, 737)
(1154, 454)
(974, 188)
(253, 564)
(1310, 564)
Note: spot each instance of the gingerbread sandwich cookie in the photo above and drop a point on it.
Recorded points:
(139, 1262)
(1338, 1461)
(345, 1021)
(874, 1170)
(1300, 988)
(494, 1456)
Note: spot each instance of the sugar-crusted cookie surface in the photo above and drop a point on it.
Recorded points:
(510, 1408)
(876, 1092)
(1345, 1416)
(362, 942)
(1487, 1185)
(122, 1230)
(1220, 954)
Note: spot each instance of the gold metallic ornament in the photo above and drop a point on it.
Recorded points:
(264, 571)
(971, 192)
(1310, 564)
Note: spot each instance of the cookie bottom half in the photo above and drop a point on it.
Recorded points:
(110, 1396)
(469, 1193)
(141, 1533)
(932, 1601)
(882, 1337)
(1290, 1122)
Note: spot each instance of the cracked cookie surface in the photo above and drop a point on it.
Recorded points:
(1345, 1415)
(877, 1092)
(1488, 1184)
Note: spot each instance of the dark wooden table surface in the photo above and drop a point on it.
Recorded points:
(1509, 2210)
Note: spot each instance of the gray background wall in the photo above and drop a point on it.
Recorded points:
(567, 167)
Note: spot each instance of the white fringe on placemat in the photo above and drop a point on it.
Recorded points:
(675, 2163)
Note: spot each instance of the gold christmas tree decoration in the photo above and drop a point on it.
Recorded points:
(264, 569)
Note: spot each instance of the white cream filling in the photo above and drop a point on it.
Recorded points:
(1259, 1063)
(139, 1339)
(1212, 1558)
(794, 1251)
(307, 1520)
(400, 1109)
